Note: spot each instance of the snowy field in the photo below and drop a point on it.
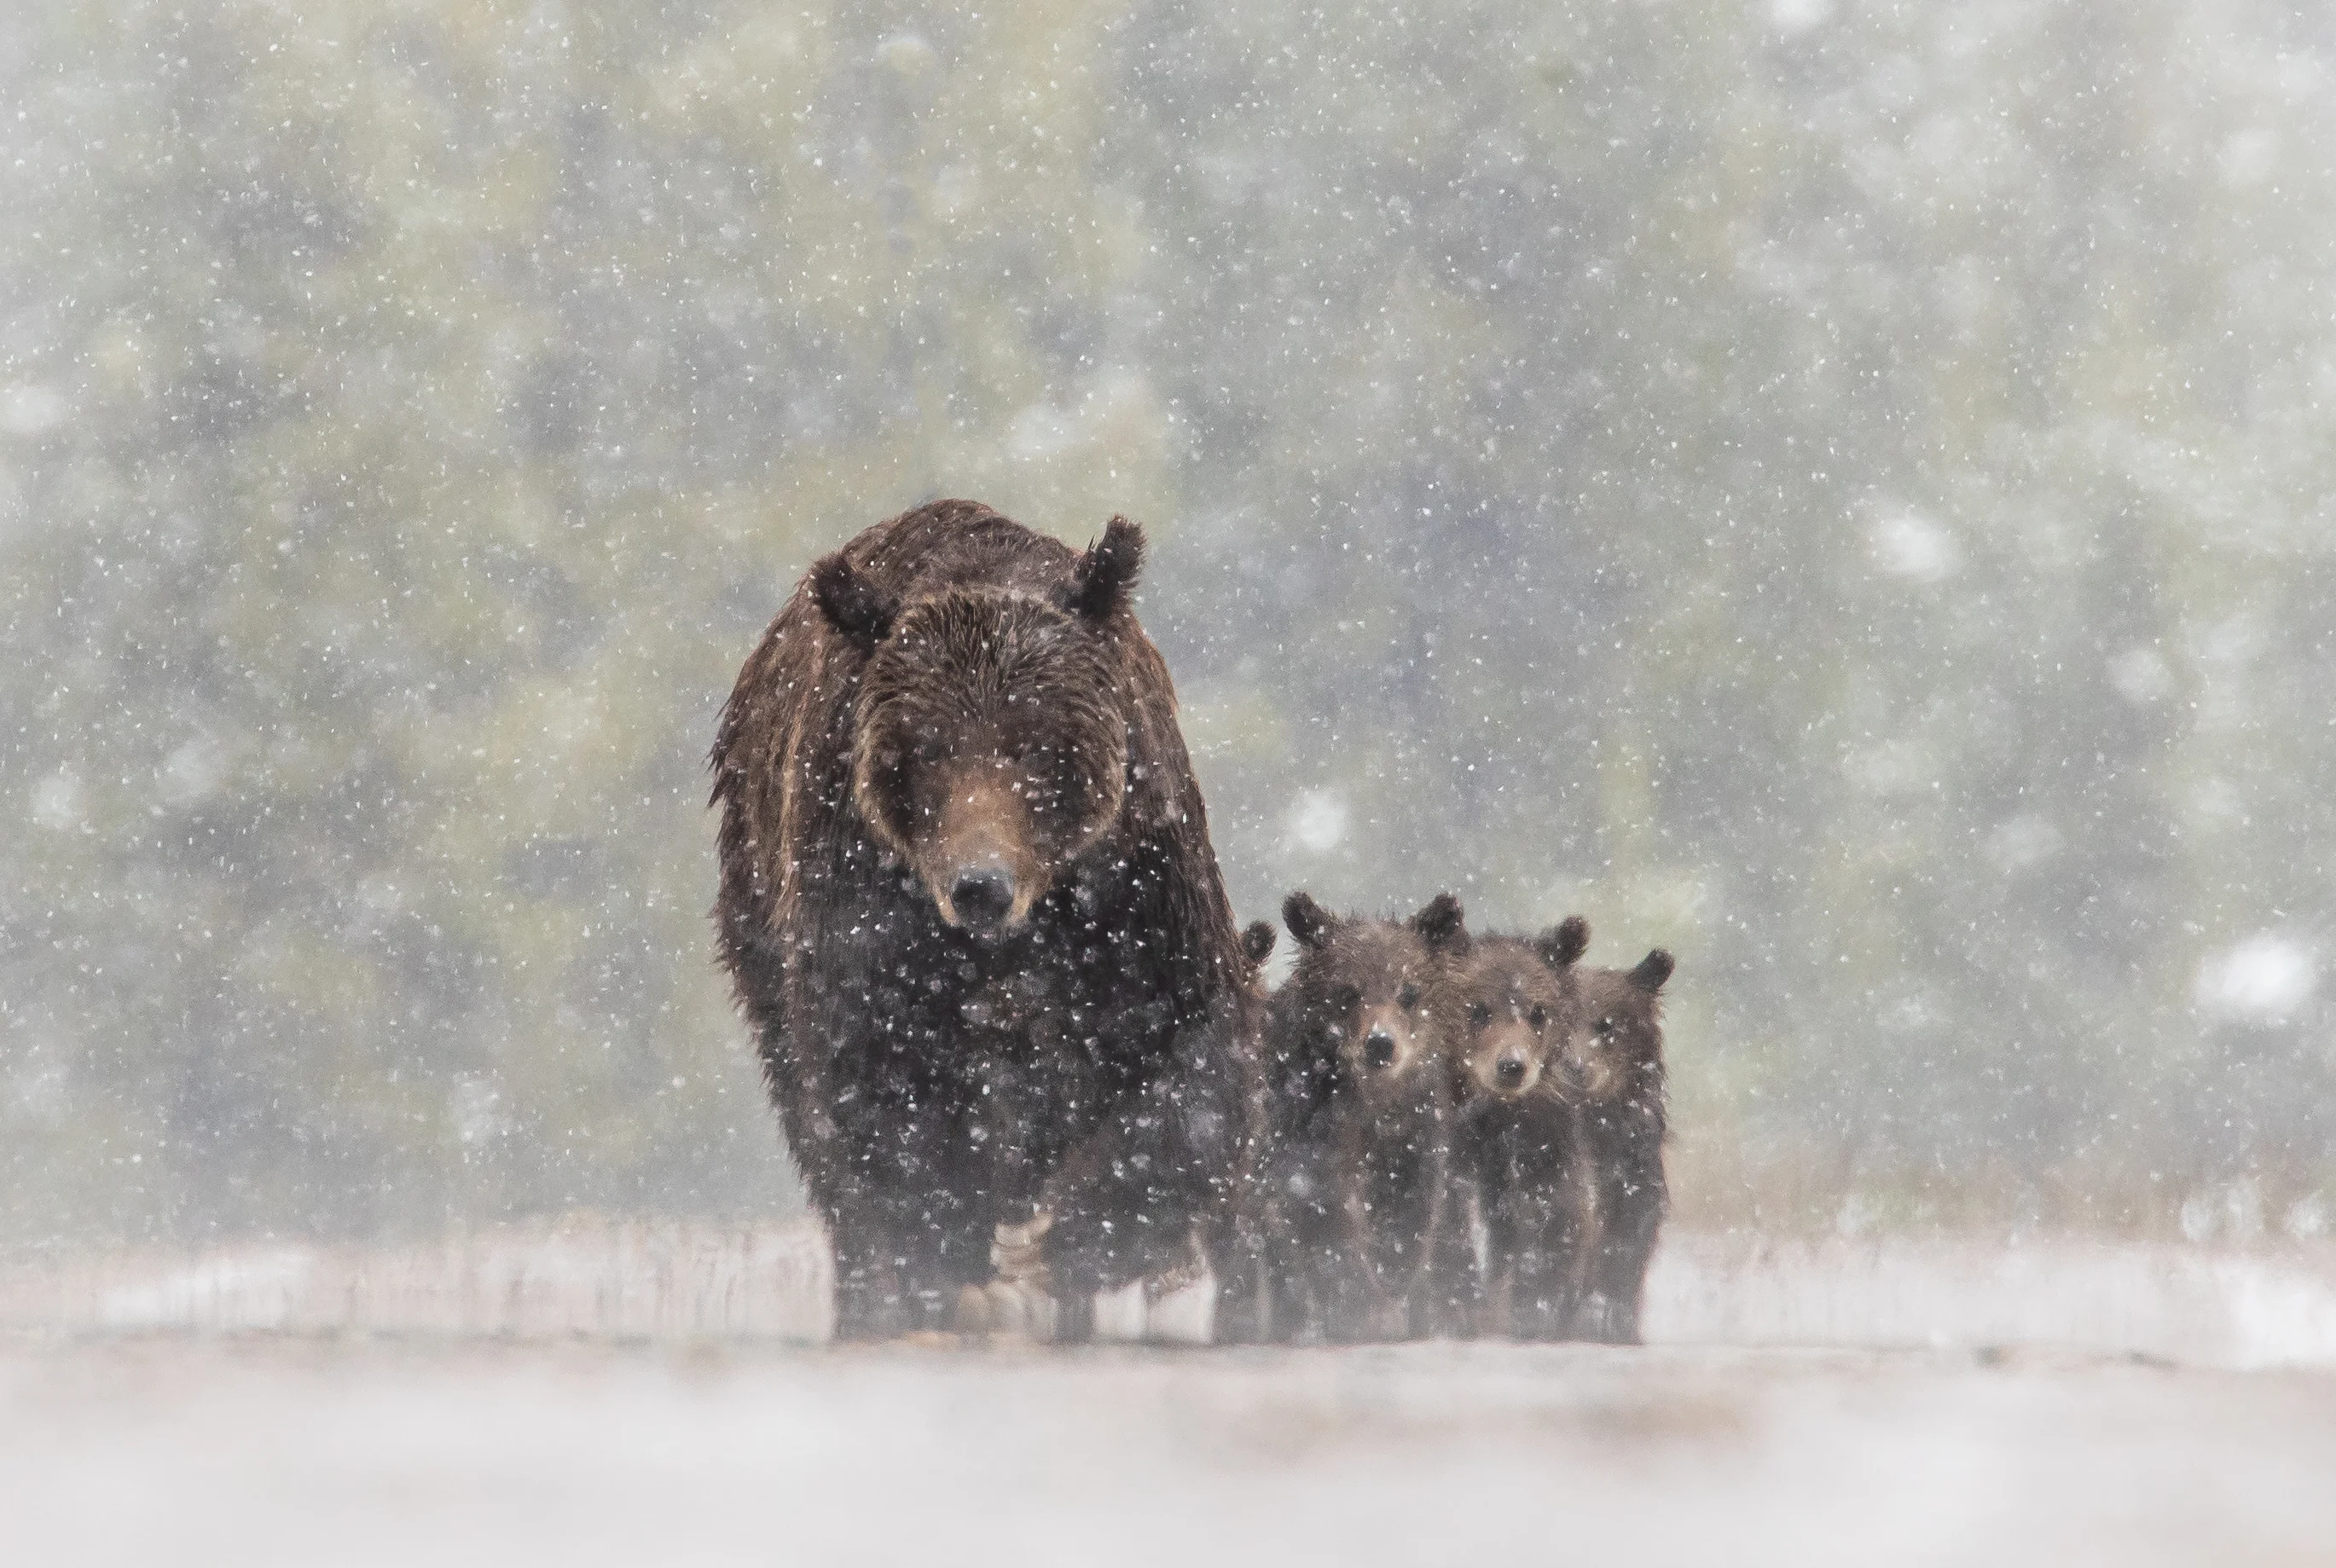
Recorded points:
(651, 1394)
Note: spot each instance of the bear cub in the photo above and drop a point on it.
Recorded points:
(1353, 1185)
(1619, 1061)
(1505, 1015)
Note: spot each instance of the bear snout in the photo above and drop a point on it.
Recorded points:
(1508, 1064)
(982, 897)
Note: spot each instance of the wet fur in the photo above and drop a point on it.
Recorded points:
(1093, 1058)
(1522, 1158)
(1355, 1195)
(1624, 1123)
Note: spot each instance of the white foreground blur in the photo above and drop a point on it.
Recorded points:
(639, 1393)
(281, 1449)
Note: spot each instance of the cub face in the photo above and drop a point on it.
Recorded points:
(1507, 1012)
(1617, 1052)
(1360, 991)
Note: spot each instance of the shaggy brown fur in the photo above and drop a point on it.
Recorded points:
(1504, 1017)
(1619, 1054)
(1359, 1101)
(970, 908)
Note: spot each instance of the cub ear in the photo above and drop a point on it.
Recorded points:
(1307, 921)
(1256, 940)
(1442, 923)
(1563, 943)
(852, 605)
(1106, 576)
(1652, 971)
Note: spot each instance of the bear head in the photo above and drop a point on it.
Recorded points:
(1618, 1050)
(990, 734)
(1361, 989)
(1504, 1016)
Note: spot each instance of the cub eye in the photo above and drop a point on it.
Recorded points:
(1346, 999)
(1479, 1015)
(1408, 997)
(1539, 1017)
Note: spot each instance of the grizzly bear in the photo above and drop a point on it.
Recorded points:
(1504, 1016)
(970, 910)
(1355, 1191)
(1618, 1051)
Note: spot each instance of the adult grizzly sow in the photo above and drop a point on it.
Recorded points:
(970, 909)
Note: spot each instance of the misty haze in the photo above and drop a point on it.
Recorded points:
(1835, 494)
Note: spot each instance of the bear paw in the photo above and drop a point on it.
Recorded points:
(1016, 1304)
(1006, 1310)
(1018, 1253)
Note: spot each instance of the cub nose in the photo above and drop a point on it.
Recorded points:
(1510, 1071)
(982, 897)
(1379, 1049)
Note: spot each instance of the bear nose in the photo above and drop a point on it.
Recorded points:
(1510, 1071)
(1379, 1049)
(982, 897)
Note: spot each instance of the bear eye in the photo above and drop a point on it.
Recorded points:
(1479, 1015)
(1408, 997)
(1346, 999)
(1539, 1018)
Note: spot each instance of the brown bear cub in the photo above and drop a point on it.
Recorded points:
(970, 909)
(1354, 1187)
(1504, 1016)
(1619, 1061)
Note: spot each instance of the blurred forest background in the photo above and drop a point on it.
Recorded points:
(1842, 491)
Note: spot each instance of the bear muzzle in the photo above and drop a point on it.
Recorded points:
(982, 898)
(980, 865)
(1509, 1063)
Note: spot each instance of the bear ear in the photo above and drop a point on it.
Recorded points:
(1652, 971)
(1256, 940)
(1307, 921)
(852, 605)
(1443, 924)
(1106, 576)
(1563, 943)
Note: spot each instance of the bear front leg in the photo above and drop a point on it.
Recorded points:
(1455, 1282)
(1303, 1265)
(1123, 1202)
(906, 1240)
(1354, 1306)
(1630, 1207)
(1505, 1242)
(1018, 1300)
(1236, 1252)
(1544, 1266)
(1300, 1238)
(870, 1300)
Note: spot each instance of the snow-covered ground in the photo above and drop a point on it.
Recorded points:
(677, 1279)
(283, 1450)
(628, 1394)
